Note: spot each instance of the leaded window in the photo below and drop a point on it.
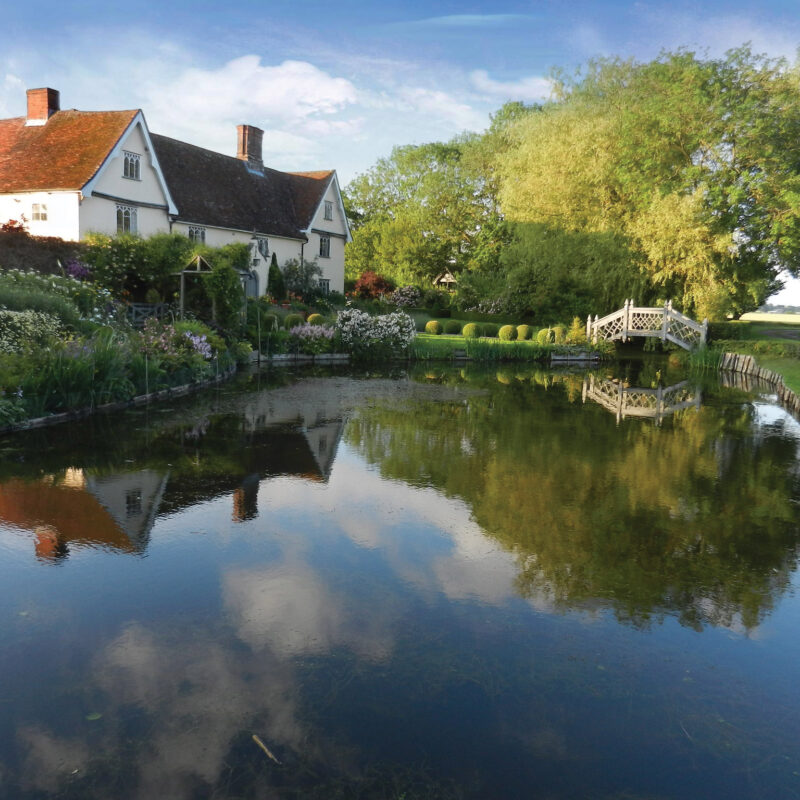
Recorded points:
(325, 246)
(197, 234)
(127, 221)
(131, 165)
(328, 209)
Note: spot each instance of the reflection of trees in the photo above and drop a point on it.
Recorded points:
(695, 518)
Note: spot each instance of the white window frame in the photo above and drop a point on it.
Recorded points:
(131, 166)
(324, 285)
(197, 234)
(39, 212)
(324, 246)
(127, 219)
(263, 246)
(329, 209)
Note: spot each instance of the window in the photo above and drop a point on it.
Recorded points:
(263, 246)
(324, 285)
(325, 246)
(39, 212)
(126, 219)
(130, 166)
(197, 235)
(328, 209)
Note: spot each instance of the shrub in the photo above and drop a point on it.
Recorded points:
(275, 283)
(316, 319)
(371, 285)
(545, 336)
(21, 329)
(490, 329)
(577, 332)
(508, 333)
(452, 326)
(302, 277)
(313, 339)
(471, 331)
(269, 322)
(433, 326)
(732, 329)
(292, 321)
(436, 299)
(524, 332)
(559, 334)
(406, 296)
(369, 337)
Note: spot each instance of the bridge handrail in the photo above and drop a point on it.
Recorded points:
(609, 318)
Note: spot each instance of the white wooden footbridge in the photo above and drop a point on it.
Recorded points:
(664, 323)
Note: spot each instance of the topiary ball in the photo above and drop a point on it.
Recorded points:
(452, 326)
(433, 326)
(490, 329)
(471, 331)
(524, 332)
(508, 333)
(545, 336)
(292, 321)
(269, 322)
(559, 334)
(315, 319)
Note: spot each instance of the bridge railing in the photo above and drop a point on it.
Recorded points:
(664, 323)
(638, 401)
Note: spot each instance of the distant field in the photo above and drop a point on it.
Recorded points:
(760, 316)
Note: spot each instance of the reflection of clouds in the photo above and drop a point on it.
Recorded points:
(203, 695)
(458, 560)
(291, 611)
(49, 757)
(199, 693)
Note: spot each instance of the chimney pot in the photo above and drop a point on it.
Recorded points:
(42, 104)
(249, 146)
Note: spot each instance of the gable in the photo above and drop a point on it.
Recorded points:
(64, 154)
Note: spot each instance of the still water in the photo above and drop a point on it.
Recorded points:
(437, 584)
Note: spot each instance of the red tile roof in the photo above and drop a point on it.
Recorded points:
(308, 189)
(65, 153)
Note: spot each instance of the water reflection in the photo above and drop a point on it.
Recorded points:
(624, 400)
(372, 593)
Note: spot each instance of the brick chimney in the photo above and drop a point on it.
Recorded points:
(42, 104)
(248, 148)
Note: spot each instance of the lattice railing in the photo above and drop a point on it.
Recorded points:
(664, 323)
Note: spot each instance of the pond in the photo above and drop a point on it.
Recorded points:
(436, 583)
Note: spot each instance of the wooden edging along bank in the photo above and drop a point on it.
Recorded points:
(747, 365)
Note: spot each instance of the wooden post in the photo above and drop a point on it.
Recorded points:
(625, 318)
(594, 338)
(183, 290)
(665, 323)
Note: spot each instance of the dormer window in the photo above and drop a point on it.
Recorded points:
(131, 166)
(197, 235)
(328, 209)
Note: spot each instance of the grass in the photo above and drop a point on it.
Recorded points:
(760, 316)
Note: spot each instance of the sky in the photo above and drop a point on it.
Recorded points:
(338, 84)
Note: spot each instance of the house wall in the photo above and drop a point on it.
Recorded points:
(62, 212)
(100, 213)
(284, 249)
(333, 267)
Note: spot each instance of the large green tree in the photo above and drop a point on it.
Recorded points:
(691, 163)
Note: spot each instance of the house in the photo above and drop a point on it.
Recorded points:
(69, 173)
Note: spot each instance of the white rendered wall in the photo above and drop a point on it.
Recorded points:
(333, 267)
(62, 213)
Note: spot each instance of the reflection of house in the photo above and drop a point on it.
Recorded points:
(115, 512)
(71, 172)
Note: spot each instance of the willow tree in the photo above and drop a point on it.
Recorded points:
(692, 163)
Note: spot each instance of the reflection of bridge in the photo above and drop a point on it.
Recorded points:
(635, 401)
(662, 323)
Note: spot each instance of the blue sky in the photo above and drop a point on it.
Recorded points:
(337, 84)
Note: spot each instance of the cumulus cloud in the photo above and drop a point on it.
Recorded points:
(530, 88)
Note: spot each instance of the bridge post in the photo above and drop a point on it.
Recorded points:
(589, 328)
(626, 314)
(594, 338)
(665, 323)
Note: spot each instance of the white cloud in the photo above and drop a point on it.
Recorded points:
(472, 20)
(531, 88)
(442, 106)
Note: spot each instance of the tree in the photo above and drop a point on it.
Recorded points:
(302, 276)
(693, 162)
